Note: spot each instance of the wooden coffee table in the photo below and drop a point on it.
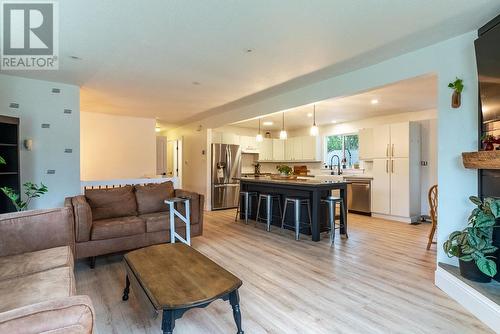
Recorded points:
(173, 278)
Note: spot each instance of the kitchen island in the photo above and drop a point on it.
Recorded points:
(312, 188)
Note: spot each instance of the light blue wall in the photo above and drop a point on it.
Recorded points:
(457, 128)
(37, 105)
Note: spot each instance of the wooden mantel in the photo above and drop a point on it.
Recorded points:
(482, 159)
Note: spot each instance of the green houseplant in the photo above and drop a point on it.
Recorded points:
(31, 191)
(473, 245)
(284, 170)
(458, 87)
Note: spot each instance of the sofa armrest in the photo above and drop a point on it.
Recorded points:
(197, 204)
(34, 230)
(83, 218)
(73, 314)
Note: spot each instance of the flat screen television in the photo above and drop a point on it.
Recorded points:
(488, 69)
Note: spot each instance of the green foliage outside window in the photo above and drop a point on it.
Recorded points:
(334, 143)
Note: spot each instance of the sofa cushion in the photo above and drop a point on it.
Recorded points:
(34, 262)
(36, 288)
(117, 227)
(160, 221)
(111, 202)
(151, 197)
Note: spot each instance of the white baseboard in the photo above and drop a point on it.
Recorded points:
(482, 307)
(407, 220)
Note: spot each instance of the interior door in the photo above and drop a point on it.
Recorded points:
(161, 155)
(381, 141)
(400, 139)
(381, 196)
(400, 187)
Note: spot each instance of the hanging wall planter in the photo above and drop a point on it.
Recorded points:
(458, 87)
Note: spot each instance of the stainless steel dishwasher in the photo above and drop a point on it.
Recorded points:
(359, 195)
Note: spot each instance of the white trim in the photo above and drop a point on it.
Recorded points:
(482, 307)
(122, 182)
(407, 220)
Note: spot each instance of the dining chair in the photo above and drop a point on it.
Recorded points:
(433, 205)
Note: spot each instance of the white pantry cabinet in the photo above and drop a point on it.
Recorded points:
(365, 137)
(396, 171)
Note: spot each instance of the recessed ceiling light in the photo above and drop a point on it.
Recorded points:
(334, 121)
(374, 101)
(267, 123)
(309, 114)
(196, 83)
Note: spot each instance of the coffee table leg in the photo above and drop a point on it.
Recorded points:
(234, 299)
(126, 290)
(168, 322)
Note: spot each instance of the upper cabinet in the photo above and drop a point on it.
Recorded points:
(266, 149)
(365, 137)
(278, 149)
(385, 141)
(304, 148)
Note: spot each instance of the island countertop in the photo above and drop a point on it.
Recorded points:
(313, 189)
(300, 181)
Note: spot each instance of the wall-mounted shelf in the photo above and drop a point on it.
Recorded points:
(482, 159)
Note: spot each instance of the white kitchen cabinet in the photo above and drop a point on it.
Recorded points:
(400, 139)
(230, 138)
(381, 187)
(248, 144)
(293, 149)
(381, 141)
(266, 149)
(396, 171)
(278, 149)
(216, 137)
(310, 148)
(400, 187)
(365, 137)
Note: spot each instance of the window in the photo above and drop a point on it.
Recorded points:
(345, 146)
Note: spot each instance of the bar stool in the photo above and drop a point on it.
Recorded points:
(247, 200)
(298, 202)
(269, 200)
(331, 202)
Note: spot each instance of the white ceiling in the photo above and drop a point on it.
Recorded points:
(405, 96)
(141, 58)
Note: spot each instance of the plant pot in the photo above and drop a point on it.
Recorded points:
(470, 271)
(488, 146)
(456, 99)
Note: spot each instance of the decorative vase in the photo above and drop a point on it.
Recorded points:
(456, 99)
(469, 270)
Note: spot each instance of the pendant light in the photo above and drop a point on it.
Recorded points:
(259, 137)
(314, 129)
(283, 134)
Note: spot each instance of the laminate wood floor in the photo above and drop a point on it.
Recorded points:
(380, 280)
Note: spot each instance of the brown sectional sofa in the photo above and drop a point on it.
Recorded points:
(37, 283)
(109, 220)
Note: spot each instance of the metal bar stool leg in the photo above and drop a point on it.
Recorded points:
(284, 215)
(333, 207)
(297, 219)
(246, 207)
(238, 209)
(343, 214)
(259, 199)
(269, 212)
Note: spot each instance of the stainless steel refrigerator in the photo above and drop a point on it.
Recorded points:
(226, 168)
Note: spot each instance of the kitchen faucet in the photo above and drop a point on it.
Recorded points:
(339, 171)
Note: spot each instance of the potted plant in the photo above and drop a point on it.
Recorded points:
(2, 161)
(31, 191)
(488, 141)
(473, 245)
(458, 87)
(284, 170)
